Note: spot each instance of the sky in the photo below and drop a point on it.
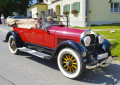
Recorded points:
(34, 1)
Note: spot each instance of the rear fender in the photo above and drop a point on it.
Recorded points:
(17, 37)
(71, 44)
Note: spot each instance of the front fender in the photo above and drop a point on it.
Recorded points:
(17, 38)
(106, 44)
(72, 44)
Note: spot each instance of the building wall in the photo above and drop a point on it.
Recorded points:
(42, 8)
(75, 20)
(33, 10)
(100, 12)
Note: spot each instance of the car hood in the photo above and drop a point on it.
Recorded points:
(71, 32)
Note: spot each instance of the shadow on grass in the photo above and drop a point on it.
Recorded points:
(115, 44)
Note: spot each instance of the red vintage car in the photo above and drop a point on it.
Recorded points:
(75, 49)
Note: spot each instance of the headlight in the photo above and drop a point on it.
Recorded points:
(100, 39)
(86, 40)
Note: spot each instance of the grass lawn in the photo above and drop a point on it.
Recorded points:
(108, 35)
(100, 27)
(115, 43)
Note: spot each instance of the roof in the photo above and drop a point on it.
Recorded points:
(41, 3)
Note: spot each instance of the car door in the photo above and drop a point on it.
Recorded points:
(49, 37)
(36, 36)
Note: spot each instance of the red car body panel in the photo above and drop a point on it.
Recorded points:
(24, 33)
(64, 33)
(36, 36)
(50, 39)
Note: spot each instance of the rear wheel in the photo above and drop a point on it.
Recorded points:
(70, 63)
(12, 45)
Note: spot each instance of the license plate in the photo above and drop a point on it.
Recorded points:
(101, 56)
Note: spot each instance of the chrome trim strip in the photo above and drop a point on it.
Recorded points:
(84, 33)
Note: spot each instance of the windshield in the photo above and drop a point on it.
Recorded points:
(51, 20)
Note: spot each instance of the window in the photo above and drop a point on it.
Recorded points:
(42, 13)
(66, 8)
(30, 14)
(76, 6)
(115, 7)
(50, 11)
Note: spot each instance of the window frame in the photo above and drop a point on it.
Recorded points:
(66, 8)
(76, 6)
(112, 7)
(42, 11)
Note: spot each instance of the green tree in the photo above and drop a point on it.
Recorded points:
(39, 0)
(7, 7)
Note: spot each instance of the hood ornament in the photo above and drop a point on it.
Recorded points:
(89, 27)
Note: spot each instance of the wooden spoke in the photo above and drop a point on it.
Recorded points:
(14, 47)
(72, 69)
(75, 63)
(67, 68)
(65, 59)
(66, 56)
(71, 57)
(64, 62)
(74, 66)
(73, 60)
(65, 65)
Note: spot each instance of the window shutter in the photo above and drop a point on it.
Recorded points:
(68, 8)
(72, 6)
(78, 7)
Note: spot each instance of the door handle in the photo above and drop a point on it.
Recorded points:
(21, 31)
(33, 32)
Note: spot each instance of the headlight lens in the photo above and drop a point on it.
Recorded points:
(100, 39)
(87, 40)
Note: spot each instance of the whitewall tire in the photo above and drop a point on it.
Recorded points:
(70, 63)
(12, 45)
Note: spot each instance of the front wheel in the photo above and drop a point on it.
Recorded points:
(12, 45)
(70, 63)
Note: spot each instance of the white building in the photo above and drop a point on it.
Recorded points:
(85, 12)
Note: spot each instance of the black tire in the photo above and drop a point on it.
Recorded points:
(70, 63)
(12, 45)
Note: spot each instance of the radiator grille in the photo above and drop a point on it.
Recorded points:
(92, 45)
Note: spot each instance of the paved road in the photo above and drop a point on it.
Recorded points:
(26, 69)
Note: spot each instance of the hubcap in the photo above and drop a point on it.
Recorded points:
(12, 44)
(69, 63)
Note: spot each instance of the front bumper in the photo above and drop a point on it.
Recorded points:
(102, 63)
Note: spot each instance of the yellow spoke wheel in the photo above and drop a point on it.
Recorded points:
(70, 63)
(12, 45)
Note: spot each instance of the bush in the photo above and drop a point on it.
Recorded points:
(113, 24)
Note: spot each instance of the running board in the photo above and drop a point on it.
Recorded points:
(35, 53)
